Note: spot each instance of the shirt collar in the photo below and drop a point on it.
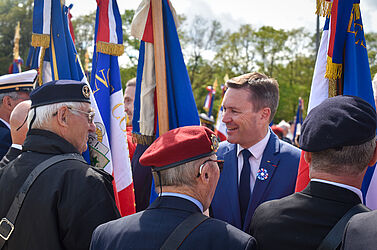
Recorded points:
(193, 200)
(17, 146)
(258, 148)
(353, 189)
(7, 124)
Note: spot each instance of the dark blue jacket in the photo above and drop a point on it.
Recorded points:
(150, 228)
(5, 139)
(281, 161)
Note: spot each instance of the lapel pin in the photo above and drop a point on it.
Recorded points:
(262, 174)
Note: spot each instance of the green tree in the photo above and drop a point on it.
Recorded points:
(11, 12)
(237, 52)
(371, 42)
(83, 27)
(199, 37)
(270, 45)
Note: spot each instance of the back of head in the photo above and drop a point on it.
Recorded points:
(63, 107)
(18, 125)
(264, 90)
(178, 156)
(340, 134)
(48, 98)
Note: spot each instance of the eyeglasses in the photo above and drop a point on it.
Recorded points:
(220, 164)
(90, 114)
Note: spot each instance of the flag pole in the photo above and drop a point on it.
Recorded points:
(160, 67)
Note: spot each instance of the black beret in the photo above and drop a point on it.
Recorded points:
(60, 91)
(338, 121)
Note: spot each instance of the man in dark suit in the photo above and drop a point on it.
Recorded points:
(18, 131)
(185, 172)
(14, 88)
(257, 165)
(339, 140)
(361, 232)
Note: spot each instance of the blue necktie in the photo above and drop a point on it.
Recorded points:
(244, 190)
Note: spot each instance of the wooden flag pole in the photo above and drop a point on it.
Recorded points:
(160, 67)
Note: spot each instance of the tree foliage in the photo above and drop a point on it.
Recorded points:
(11, 12)
(209, 51)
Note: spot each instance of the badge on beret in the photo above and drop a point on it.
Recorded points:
(215, 143)
(85, 91)
(262, 174)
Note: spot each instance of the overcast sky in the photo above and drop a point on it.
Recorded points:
(231, 13)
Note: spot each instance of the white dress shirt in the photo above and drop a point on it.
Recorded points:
(257, 152)
(17, 146)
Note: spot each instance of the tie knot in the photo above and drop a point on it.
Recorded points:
(246, 154)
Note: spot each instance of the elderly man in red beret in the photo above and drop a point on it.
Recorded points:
(186, 171)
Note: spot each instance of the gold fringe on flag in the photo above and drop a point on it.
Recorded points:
(323, 8)
(40, 40)
(356, 11)
(332, 88)
(40, 78)
(110, 48)
(143, 139)
(333, 70)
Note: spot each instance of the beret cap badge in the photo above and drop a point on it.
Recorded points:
(85, 91)
(215, 143)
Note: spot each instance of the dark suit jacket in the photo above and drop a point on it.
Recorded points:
(5, 139)
(10, 156)
(361, 232)
(280, 159)
(301, 220)
(150, 228)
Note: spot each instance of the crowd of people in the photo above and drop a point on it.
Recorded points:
(237, 194)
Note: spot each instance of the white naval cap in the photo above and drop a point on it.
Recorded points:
(18, 82)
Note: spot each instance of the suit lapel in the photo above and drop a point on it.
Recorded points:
(230, 171)
(269, 163)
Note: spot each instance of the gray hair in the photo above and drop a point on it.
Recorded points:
(181, 175)
(43, 114)
(12, 95)
(349, 160)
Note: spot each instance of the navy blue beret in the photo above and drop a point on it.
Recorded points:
(338, 121)
(60, 91)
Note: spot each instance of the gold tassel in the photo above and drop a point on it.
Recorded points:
(332, 88)
(40, 40)
(333, 70)
(143, 139)
(40, 79)
(323, 8)
(110, 48)
(356, 11)
(328, 11)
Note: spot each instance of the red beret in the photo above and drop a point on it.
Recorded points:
(179, 146)
(277, 130)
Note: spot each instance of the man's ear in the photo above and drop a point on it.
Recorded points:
(204, 177)
(265, 113)
(62, 116)
(7, 102)
(308, 157)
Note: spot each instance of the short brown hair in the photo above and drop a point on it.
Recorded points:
(264, 90)
(131, 82)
